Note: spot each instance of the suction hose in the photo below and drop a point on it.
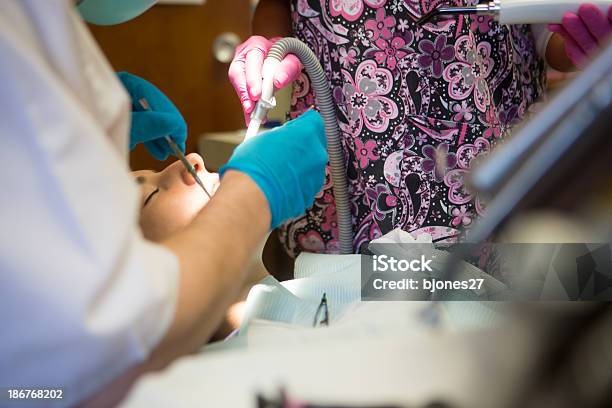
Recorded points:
(320, 85)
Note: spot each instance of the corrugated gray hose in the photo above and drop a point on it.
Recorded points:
(325, 103)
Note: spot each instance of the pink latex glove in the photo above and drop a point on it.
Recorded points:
(245, 71)
(584, 32)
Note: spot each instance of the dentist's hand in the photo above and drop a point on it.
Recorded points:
(245, 71)
(151, 124)
(584, 32)
(287, 163)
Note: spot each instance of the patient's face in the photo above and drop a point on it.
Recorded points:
(171, 198)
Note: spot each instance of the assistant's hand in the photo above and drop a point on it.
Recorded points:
(287, 163)
(149, 126)
(584, 32)
(245, 71)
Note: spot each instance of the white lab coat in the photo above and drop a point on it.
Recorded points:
(82, 295)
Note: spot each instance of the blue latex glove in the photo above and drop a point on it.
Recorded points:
(287, 163)
(150, 127)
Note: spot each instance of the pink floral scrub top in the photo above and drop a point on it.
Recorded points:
(417, 106)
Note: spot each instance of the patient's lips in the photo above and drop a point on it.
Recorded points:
(210, 180)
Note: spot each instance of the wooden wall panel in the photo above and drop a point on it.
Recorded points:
(171, 46)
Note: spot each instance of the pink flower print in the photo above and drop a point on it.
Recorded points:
(311, 242)
(360, 35)
(301, 88)
(467, 155)
(494, 131)
(461, 216)
(364, 152)
(458, 192)
(334, 54)
(422, 138)
(462, 112)
(418, 33)
(347, 58)
(384, 201)
(352, 9)
(435, 54)
(392, 167)
(493, 125)
(390, 52)
(380, 26)
(469, 152)
(438, 160)
(349, 9)
(480, 23)
(365, 100)
(469, 74)
(330, 218)
(403, 64)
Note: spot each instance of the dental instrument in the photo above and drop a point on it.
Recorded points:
(518, 11)
(327, 108)
(178, 154)
(322, 309)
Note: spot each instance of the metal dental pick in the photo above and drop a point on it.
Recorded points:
(178, 154)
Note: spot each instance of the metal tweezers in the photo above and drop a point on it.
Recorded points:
(322, 308)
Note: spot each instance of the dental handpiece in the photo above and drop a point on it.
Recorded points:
(518, 11)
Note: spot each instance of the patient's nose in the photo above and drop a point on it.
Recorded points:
(197, 162)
